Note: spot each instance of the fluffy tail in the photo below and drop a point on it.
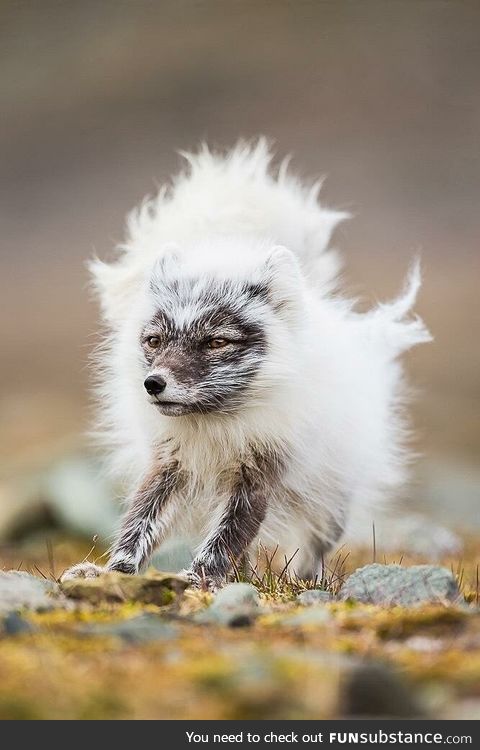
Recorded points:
(389, 325)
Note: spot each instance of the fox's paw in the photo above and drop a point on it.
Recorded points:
(82, 570)
(201, 581)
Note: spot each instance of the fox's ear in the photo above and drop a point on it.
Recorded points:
(116, 284)
(281, 259)
(166, 267)
(284, 279)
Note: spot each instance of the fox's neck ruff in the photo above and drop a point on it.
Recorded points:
(216, 439)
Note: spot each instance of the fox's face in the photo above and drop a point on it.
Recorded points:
(207, 339)
(203, 355)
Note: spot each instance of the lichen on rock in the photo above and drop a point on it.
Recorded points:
(152, 588)
(394, 585)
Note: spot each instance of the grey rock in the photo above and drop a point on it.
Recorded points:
(390, 585)
(236, 605)
(80, 496)
(142, 629)
(73, 489)
(20, 590)
(314, 596)
(312, 617)
(375, 690)
(236, 595)
(154, 587)
(13, 624)
(20, 507)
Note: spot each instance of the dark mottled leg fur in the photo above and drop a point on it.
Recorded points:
(142, 526)
(319, 551)
(239, 524)
(148, 515)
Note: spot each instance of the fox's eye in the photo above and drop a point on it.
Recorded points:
(153, 342)
(217, 343)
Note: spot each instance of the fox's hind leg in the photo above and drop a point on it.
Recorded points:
(316, 556)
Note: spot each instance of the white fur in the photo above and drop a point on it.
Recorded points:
(330, 393)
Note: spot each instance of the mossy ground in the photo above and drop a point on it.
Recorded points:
(275, 668)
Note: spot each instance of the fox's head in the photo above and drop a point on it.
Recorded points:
(215, 326)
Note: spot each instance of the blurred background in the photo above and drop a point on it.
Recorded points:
(96, 96)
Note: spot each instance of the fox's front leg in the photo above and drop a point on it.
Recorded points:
(238, 527)
(143, 526)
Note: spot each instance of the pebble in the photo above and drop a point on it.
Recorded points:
(236, 605)
(314, 596)
(142, 629)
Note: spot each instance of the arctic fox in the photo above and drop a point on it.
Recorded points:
(245, 400)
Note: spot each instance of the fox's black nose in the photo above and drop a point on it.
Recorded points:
(154, 385)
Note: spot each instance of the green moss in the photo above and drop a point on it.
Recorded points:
(17, 708)
(153, 588)
(102, 706)
(268, 670)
